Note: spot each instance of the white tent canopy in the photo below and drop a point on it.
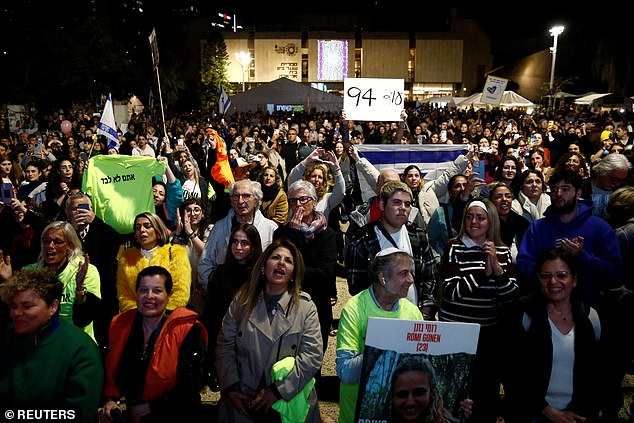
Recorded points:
(445, 100)
(509, 99)
(590, 98)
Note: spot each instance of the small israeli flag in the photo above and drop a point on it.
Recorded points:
(223, 101)
(107, 126)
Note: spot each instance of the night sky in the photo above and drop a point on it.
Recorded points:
(515, 29)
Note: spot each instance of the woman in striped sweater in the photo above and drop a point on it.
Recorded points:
(478, 281)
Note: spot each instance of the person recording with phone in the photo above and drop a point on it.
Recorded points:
(321, 168)
(22, 223)
(11, 177)
(101, 242)
(64, 179)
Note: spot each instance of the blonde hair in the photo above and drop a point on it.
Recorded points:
(329, 180)
(69, 233)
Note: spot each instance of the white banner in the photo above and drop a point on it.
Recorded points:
(373, 99)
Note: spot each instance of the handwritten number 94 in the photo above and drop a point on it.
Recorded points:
(356, 92)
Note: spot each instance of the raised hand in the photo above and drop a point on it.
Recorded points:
(5, 267)
(82, 270)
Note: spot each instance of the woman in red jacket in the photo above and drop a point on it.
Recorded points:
(156, 357)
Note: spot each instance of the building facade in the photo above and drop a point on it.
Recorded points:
(431, 64)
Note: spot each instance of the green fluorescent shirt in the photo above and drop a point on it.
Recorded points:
(121, 187)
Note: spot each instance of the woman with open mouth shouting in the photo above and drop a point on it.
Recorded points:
(153, 248)
(269, 320)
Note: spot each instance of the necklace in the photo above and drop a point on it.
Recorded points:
(563, 314)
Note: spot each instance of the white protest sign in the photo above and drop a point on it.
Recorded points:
(430, 337)
(373, 99)
(394, 348)
(493, 90)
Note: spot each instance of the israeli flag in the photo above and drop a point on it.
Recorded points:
(223, 101)
(107, 126)
(432, 159)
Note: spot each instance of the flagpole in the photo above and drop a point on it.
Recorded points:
(158, 80)
(155, 63)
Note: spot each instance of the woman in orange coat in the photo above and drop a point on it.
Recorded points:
(155, 357)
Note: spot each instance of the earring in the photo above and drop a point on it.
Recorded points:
(383, 281)
(262, 269)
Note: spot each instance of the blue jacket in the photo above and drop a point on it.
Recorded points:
(600, 263)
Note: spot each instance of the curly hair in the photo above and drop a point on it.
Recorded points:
(329, 179)
(43, 282)
(583, 163)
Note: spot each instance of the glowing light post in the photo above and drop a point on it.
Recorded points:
(554, 31)
(244, 58)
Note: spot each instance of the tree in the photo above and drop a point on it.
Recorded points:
(613, 62)
(214, 62)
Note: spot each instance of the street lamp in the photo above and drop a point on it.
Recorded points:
(244, 58)
(554, 31)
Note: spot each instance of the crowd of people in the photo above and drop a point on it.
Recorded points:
(232, 285)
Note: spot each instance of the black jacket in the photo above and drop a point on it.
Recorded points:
(528, 359)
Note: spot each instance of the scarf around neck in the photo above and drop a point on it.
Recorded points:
(317, 225)
(269, 192)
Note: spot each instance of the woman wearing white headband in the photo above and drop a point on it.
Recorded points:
(478, 280)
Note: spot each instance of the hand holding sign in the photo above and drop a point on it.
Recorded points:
(373, 99)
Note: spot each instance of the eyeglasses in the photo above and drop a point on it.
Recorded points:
(57, 242)
(196, 210)
(241, 242)
(559, 276)
(238, 197)
(301, 200)
(416, 392)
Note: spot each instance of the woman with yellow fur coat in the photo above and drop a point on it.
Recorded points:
(152, 249)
